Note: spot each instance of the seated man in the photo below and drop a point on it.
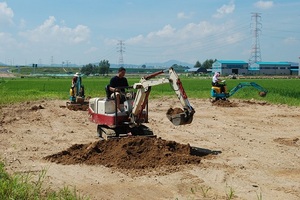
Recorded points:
(216, 82)
(118, 81)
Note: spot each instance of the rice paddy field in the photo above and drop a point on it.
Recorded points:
(12, 90)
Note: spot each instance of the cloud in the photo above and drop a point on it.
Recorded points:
(91, 50)
(233, 38)
(169, 36)
(6, 13)
(136, 39)
(22, 23)
(264, 4)
(50, 32)
(167, 31)
(7, 42)
(182, 15)
(225, 9)
(290, 41)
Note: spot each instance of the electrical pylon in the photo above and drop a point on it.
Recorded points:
(121, 51)
(256, 29)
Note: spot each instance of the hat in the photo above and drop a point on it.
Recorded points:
(217, 74)
(77, 74)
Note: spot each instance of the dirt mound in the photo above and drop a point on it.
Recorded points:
(129, 153)
(224, 103)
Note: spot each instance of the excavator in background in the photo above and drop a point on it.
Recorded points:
(216, 93)
(112, 124)
(77, 97)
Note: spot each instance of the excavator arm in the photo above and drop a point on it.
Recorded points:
(186, 116)
(262, 92)
(183, 117)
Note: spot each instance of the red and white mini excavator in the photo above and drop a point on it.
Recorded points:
(131, 120)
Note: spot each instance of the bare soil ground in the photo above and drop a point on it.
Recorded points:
(231, 150)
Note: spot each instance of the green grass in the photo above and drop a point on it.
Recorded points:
(12, 90)
(23, 187)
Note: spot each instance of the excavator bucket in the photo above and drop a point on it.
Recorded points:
(180, 117)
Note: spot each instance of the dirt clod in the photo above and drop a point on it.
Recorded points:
(174, 111)
(262, 94)
(35, 107)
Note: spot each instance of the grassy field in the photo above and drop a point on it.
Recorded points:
(12, 90)
(22, 187)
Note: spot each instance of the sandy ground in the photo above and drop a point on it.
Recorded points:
(257, 151)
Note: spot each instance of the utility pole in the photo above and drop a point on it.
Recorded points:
(52, 61)
(121, 51)
(255, 51)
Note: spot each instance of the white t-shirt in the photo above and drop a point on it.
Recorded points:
(215, 79)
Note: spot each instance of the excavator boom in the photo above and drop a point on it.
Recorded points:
(262, 91)
(176, 116)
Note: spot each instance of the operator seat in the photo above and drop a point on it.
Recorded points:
(108, 92)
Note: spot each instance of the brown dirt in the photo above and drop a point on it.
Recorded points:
(129, 153)
(251, 148)
(174, 111)
(224, 103)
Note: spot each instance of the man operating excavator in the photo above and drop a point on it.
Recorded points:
(216, 82)
(118, 81)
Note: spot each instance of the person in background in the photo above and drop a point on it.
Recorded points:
(118, 81)
(217, 82)
(74, 81)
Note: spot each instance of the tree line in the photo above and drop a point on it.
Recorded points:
(207, 64)
(103, 67)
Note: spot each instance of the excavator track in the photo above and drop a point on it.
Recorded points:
(107, 133)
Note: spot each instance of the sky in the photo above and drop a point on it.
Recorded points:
(140, 31)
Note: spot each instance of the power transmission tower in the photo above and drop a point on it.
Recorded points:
(121, 51)
(255, 51)
(52, 60)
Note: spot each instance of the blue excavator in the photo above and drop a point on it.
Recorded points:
(77, 96)
(216, 93)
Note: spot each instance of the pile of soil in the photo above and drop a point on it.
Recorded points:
(129, 153)
(224, 103)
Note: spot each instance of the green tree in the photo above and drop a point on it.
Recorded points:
(208, 63)
(197, 65)
(104, 67)
(88, 69)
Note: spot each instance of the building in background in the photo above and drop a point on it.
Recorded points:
(228, 67)
(235, 67)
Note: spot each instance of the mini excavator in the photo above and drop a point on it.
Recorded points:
(77, 98)
(218, 95)
(130, 121)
